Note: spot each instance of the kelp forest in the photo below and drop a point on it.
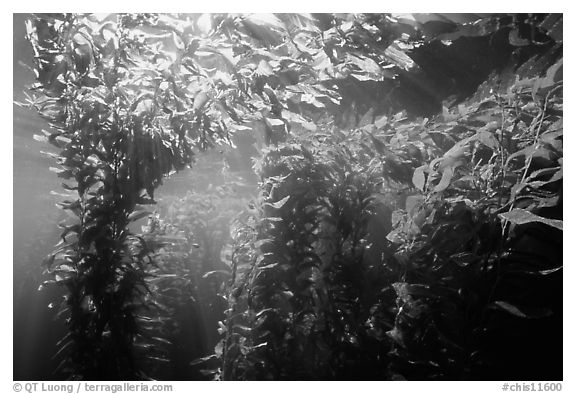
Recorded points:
(289, 196)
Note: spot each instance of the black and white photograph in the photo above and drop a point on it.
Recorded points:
(287, 197)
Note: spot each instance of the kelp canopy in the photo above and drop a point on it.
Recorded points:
(407, 222)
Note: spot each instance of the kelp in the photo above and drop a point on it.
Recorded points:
(380, 245)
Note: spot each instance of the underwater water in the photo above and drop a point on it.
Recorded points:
(37, 329)
(356, 241)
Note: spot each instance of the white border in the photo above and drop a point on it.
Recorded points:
(288, 6)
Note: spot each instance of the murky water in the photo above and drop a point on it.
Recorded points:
(36, 328)
(34, 230)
